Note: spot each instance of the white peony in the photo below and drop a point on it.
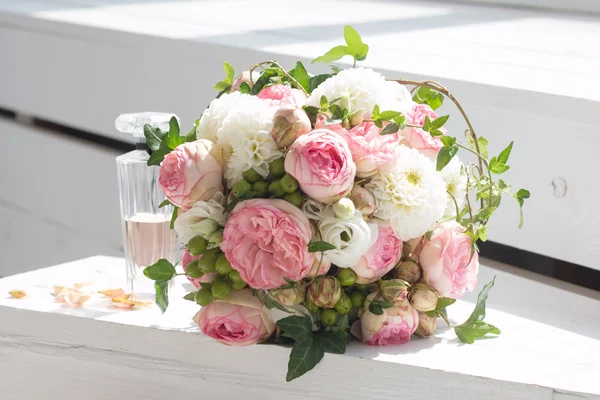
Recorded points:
(352, 237)
(204, 218)
(409, 193)
(455, 177)
(245, 135)
(362, 88)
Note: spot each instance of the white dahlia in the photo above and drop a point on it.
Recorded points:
(361, 88)
(245, 135)
(212, 119)
(455, 177)
(409, 193)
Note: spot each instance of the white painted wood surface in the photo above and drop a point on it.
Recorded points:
(522, 75)
(548, 349)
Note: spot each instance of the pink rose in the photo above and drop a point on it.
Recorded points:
(394, 326)
(267, 241)
(282, 95)
(237, 320)
(417, 138)
(192, 172)
(187, 258)
(445, 260)
(370, 150)
(322, 164)
(381, 257)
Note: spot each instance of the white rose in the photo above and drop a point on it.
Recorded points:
(352, 238)
(204, 218)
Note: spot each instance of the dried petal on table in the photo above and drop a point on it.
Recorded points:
(17, 294)
(85, 286)
(128, 301)
(113, 292)
(71, 297)
(57, 290)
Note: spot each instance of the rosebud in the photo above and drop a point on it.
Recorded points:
(244, 77)
(394, 325)
(289, 297)
(394, 290)
(363, 200)
(206, 227)
(357, 117)
(320, 266)
(215, 239)
(344, 208)
(426, 325)
(423, 298)
(325, 291)
(409, 271)
(412, 247)
(289, 123)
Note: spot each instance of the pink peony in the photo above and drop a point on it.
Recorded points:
(192, 172)
(394, 326)
(381, 257)
(417, 138)
(282, 95)
(237, 320)
(187, 258)
(370, 150)
(267, 241)
(445, 260)
(322, 163)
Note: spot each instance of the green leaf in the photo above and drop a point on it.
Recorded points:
(483, 144)
(174, 217)
(448, 140)
(229, 72)
(427, 124)
(356, 47)
(478, 313)
(323, 102)
(191, 135)
(399, 120)
(523, 194)
(315, 81)
(499, 168)
(484, 214)
(435, 100)
(173, 139)
(296, 327)
(482, 231)
(468, 333)
(390, 128)
(269, 302)
(221, 85)
(375, 309)
(439, 122)
(245, 88)
(158, 155)
(154, 137)
(299, 74)
(164, 203)
(503, 157)
(160, 271)
(333, 342)
(502, 185)
(263, 80)
(436, 132)
(445, 155)
(422, 94)
(305, 355)
(191, 296)
(444, 302)
(318, 245)
(332, 55)
(388, 115)
(161, 291)
(375, 114)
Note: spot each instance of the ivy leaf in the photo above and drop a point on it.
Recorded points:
(375, 114)
(173, 139)
(390, 128)
(154, 137)
(445, 155)
(439, 122)
(318, 245)
(388, 115)
(221, 85)
(299, 74)
(161, 291)
(484, 214)
(229, 72)
(296, 327)
(435, 100)
(483, 144)
(333, 342)
(496, 167)
(191, 296)
(162, 270)
(468, 333)
(427, 124)
(503, 157)
(315, 81)
(158, 155)
(356, 47)
(478, 313)
(332, 55)
(263, 80)
(444, 302)
(305, 355)
(482, 232)
(245, 88)
(448, 140)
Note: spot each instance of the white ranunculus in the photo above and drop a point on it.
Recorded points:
(352, 238)
(409, 193)
(455, 177)
(204, 218)
(316, 210)
(362, 88)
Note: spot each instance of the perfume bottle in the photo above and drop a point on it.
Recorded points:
(147, 236)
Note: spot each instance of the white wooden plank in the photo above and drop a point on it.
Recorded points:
(544, 352)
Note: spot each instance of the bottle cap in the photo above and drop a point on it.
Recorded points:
(133, 123)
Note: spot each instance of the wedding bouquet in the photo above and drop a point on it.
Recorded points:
(316, 207)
